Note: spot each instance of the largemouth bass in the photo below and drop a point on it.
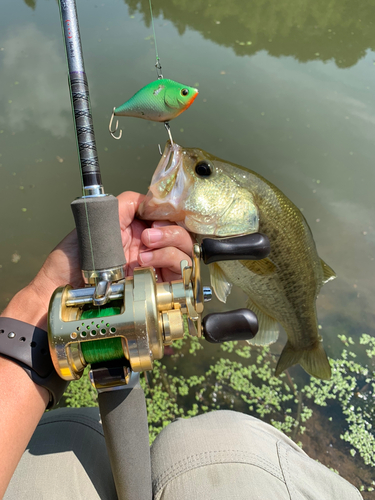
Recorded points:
(212, 197)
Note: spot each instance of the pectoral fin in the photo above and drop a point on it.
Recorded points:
(219, 282)
(328, 273)
(268, 331)
(314, 361)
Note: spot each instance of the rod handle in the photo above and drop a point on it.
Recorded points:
(99, 233)
(125, 426)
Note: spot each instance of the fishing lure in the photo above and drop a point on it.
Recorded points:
(159, 101)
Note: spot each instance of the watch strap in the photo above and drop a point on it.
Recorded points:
(27, 345)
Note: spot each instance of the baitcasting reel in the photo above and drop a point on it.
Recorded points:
(128, 323)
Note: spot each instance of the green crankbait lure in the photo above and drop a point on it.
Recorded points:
(159, 101)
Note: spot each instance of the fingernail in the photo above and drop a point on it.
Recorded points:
(154, 235)
(162, 223)
(146, 257)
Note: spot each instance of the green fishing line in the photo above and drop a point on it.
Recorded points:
(106, 349)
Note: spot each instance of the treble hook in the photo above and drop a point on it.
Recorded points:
(166, 125)
(112, 132)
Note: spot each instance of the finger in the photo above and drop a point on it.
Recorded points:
(132, 244)
(168, 236)
(162, 223)
(165, 275)
(168, 258)
(129, 202)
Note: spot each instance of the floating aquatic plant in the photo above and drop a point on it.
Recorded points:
(80, 393)
(353, 387)
(242, 379)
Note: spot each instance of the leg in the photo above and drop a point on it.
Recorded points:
(225, 454)
(66, 458)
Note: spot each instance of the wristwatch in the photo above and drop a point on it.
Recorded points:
(27, 346)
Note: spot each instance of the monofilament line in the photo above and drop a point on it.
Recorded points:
(157, 65)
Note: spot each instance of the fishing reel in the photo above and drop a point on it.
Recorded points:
(126, 324)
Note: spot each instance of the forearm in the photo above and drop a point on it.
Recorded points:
(22, 403)
(26, 306)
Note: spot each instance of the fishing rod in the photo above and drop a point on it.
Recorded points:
(119, 325)
(103, 265)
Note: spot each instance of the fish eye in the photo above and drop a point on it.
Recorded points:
(203, 169)
(184, 92)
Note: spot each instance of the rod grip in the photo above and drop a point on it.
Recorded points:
(125, 426)
(99, 233)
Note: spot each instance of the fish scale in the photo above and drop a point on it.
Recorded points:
(281, 289)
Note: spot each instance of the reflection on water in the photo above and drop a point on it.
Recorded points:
(30, 3)
(273, 96)
(341, 30)
(40, 94)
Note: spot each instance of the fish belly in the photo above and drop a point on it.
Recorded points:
(278, 299)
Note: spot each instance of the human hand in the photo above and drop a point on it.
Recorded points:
(162, 246)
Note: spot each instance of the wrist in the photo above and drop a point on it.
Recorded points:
(29, 306)
(27, 345)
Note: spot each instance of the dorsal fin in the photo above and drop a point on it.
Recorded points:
(328, 273)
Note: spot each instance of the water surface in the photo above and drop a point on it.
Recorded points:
(285, 88)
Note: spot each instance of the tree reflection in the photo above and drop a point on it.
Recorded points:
(341, 30)
(30, 3)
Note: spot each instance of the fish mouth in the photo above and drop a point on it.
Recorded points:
(168, 187)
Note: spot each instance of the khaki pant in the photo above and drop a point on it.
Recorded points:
(223, 455)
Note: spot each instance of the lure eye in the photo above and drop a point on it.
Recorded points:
(184, 92)
(203, 169)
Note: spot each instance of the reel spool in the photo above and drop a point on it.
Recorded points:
(128, 323)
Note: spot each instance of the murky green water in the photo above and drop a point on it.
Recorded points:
(286, 88)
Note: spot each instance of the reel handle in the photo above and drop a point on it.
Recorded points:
(254, 246)
(241, 324)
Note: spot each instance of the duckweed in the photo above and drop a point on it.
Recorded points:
(242, 380)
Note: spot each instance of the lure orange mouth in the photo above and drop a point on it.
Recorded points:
(189, 103)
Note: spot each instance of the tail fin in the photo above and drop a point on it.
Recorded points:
(314, 361)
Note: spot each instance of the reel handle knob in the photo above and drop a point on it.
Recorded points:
(241, 324)
(254, 246)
